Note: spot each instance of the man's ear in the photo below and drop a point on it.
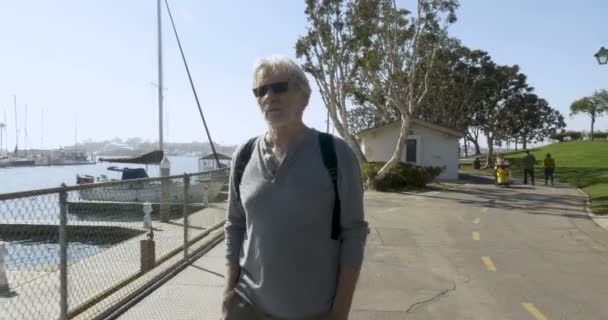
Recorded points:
(305, 101)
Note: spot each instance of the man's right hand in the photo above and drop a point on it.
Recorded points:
(233, 272)
(226, 300)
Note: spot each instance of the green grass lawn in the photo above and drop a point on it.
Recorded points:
(468, 168)
(583, 164)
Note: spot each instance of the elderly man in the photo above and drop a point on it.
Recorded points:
(295, 229)
(528, 163)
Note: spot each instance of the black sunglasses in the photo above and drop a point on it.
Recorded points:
(277, 87)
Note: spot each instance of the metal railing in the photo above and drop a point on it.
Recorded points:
(76, 252)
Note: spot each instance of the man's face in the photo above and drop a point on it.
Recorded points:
(279, 99)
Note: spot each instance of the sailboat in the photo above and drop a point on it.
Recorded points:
(202, 188)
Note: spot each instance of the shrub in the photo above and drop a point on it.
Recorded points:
(600, 135)
(402, 175)
(562, 136)
(575, 135)
(558, 136)
(369, 170)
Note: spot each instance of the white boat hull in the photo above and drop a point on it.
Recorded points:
(151, 192)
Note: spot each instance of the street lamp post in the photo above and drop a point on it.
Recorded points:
(602, 56)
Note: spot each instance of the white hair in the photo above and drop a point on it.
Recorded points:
(284, 65)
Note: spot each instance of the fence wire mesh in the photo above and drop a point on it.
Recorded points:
(118, 236)
(29, 257)
(216, 186)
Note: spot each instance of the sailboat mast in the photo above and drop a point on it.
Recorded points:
(75, 130)
(2, 126)
(160, 78)
(41, 128)
(5, 132)
(25, 132)
(16, 124)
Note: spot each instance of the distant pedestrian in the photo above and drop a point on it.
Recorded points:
(549, 165)
(477, 164)
(295, 228)
(528, 163)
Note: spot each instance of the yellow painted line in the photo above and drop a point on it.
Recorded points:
(534, 312)
(476, 221)
(489, 264)
(476, 236)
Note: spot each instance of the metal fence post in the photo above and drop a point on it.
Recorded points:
(185, 212)
(165, 192)
(63, 254)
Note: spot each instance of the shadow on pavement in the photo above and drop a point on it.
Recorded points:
(206, 270)
(516, 198)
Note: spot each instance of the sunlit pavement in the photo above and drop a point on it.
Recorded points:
(475, 251)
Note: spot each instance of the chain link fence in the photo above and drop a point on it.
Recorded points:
(78, 252)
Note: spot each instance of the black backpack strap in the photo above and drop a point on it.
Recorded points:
(241, 162)
(328, 152)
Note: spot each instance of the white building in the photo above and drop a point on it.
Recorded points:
(427, 145)
(209, 163)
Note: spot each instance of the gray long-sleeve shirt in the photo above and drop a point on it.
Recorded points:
(280, 233)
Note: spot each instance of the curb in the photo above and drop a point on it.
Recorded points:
(601, 221)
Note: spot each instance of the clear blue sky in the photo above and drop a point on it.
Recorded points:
(94, 61)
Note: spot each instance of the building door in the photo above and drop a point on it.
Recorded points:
(411, 151)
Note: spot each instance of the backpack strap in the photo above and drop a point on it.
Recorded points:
(241, 162)
(328, 152)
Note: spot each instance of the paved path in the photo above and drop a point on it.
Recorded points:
(474, 252)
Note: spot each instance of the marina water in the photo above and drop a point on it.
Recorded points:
(31, 178)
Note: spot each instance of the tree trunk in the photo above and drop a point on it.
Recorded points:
(592, 126)
(524, 144)
(473, 135)
(406, 123)
(348, 137)
(490, 158)
(515, 144)
(477, 148)
(466, 147)
(356, 147)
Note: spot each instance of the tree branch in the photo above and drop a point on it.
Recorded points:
(426, 79)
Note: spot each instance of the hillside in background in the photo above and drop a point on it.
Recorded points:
(137, 146)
